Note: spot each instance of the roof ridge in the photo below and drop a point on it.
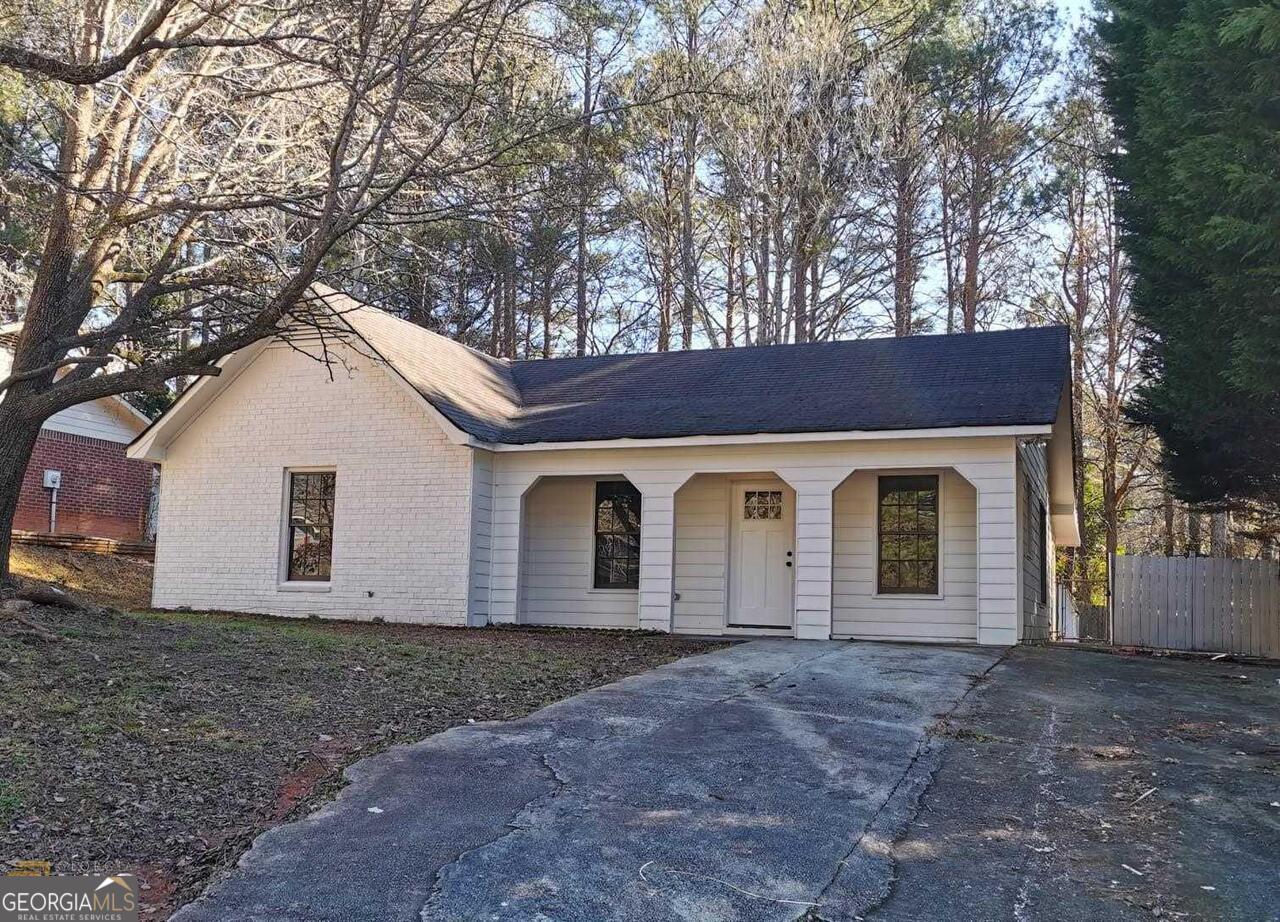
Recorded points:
(915, 337)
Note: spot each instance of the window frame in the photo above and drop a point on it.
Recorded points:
(878, 592)
(286, 580)
(593, 584)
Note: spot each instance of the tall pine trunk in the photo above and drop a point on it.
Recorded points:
(730, 291)
(688, 272)
(904, 269)
(584, 168)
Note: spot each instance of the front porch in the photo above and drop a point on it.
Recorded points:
(761, 548)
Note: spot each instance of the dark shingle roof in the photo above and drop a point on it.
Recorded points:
(1005, 378)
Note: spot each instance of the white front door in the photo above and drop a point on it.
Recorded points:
(761, 555)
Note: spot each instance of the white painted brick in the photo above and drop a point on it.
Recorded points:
(403, 508)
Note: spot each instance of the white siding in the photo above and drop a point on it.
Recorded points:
(856, 609)
(986, 463)
(1033, 490)
(556, 583)
(403, 504)
(99, 419)
(481, 536)
(702, 553)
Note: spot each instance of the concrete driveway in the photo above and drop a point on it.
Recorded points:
(749, 783)
(788, 780)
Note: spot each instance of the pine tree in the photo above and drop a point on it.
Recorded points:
(1193, 85)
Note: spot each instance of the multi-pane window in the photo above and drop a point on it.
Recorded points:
(907, 530)
(310, 553)
(617, 535)
(762, 504)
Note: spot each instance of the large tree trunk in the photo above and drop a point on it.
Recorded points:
(763, 306)
(947, 230)
(730, 291)
(1110, 507)
(814, 290)
(742, 295)
(688, 271)
(799, 289)
(904, 270)
(776, 326)
(666, 295)
(1220, 534)
(972, 257)
(584, 157)
(546, 313)
(15, 453)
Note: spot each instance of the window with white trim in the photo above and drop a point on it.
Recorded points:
(309, 532)
(907, 535)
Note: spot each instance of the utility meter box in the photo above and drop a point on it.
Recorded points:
(52, 480)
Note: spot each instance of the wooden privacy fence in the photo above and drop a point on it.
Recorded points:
(1197, 603)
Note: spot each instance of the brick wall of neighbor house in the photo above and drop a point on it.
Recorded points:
(402, 508)
(103, 494)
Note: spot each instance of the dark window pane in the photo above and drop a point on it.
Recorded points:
(907, 534)
(311, 498)
(617, 536)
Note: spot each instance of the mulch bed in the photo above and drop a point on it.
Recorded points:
(162, 744)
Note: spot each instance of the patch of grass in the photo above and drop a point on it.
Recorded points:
(109, 579)
(10, 802)
(163, 742)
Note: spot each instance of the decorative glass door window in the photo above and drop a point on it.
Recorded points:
(762, 504)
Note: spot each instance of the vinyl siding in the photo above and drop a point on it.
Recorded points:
(702, 554)
(481, 536)
(97, 420)
(556, 585)
(813, 470)
(856, 609)
(1033, 489)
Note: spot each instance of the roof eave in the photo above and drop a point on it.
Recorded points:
(755, 438)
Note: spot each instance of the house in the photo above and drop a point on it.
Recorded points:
(79, 481)
(906, 489)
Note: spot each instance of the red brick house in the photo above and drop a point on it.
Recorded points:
(79, 481)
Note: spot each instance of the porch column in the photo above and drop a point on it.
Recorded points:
(508, 533)
(996, 486)
(815, 543)
(657, 545)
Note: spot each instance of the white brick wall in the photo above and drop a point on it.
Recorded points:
(403, 503)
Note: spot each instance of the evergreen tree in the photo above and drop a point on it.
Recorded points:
(1194, 87)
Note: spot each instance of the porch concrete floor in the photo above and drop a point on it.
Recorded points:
(783, 779)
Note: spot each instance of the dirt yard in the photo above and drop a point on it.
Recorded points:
(161, 744)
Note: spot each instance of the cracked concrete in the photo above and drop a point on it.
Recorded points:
(762, 781)
(779, 780)
(1078, 785)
